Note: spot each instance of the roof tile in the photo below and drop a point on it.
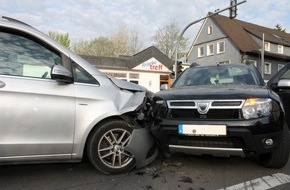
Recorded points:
(239, 32)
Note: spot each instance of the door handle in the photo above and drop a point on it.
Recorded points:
(2, 84)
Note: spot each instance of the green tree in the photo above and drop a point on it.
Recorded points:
(166, 37)
(61, 38)
(101, 46)
(81, 47)
(279, 27)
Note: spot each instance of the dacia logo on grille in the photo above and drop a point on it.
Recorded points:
(202, 107)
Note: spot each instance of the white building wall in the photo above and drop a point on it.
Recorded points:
(151, 81)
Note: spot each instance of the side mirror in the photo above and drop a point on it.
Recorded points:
(61, 74)
(164, 87)
(284, 83)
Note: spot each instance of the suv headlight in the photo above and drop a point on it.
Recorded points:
(257, 107)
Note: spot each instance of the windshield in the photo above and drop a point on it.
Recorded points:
(218, 75)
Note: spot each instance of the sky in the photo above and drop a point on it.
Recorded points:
(89, 19)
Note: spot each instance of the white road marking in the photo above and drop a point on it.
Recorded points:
(266, 182)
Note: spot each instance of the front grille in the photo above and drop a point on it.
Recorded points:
(177, 104)
(226, 103)
(205, 109)
(187, 114)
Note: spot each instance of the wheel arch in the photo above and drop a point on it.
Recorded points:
(124, 117)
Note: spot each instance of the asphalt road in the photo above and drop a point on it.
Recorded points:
(178, 172)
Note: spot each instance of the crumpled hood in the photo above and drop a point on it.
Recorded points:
(214, 92)
(127, 85)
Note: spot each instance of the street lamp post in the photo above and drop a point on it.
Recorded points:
(194, 22)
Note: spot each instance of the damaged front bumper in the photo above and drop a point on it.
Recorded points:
(143, 146)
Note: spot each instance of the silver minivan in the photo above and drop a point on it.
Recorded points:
(57, 107)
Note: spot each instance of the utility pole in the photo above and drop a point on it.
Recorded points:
(263, 56)
(233, 11)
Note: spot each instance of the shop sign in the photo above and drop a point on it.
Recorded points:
(152, 65)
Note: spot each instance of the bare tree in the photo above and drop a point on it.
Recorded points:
(122, 42)
(135, 43)
(166, 37)
(126, 42)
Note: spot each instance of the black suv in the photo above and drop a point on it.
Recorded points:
(225, 110)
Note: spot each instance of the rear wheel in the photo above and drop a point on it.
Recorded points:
(279, 157)
(106, 145)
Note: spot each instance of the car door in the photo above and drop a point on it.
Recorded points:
(37, 113)
(280, 83)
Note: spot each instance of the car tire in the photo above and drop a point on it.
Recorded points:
(280, 155)
(105, 147)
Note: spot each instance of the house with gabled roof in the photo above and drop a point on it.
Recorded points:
(222, 40)
(149, 68)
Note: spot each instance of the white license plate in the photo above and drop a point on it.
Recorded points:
(202, 130)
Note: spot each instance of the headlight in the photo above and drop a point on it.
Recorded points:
(257, 107)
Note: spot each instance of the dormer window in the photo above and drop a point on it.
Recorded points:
(210, 30)
(267, 46)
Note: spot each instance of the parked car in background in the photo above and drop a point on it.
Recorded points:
(57, 107)
(225, 110)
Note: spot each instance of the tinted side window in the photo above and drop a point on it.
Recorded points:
(81, 76)
(20, 56)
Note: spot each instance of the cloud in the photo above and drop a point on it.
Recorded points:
(88, 19)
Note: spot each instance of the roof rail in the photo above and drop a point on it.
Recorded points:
(14, 20)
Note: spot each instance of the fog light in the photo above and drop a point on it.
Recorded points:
(269, 142)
